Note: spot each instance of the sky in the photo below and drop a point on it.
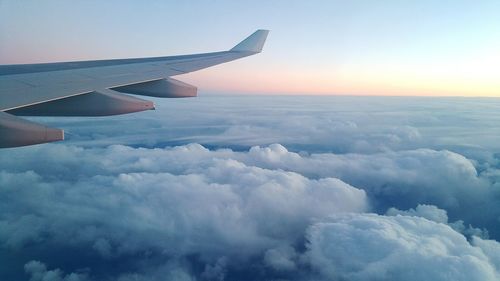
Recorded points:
(295, 164)
(259, 188)
(360, 47)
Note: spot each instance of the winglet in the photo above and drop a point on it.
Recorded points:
(252, 43)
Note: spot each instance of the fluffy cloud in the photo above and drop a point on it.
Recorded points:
(242, 208)
(429, 212)
(491, 248)
(38, 272)
(401, 179)
(126, 202)
(435, 214)
(191, 213)
(281, 259)
(374, 247)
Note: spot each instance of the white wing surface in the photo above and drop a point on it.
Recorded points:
(94, 88)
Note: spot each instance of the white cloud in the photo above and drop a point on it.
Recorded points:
(281, 259)
(429, 212)
(241, 212)
(401, 179)
(39, 272)
(491, 248)
(117, 201)
(435, 214)
(373, 247)
(174, 202)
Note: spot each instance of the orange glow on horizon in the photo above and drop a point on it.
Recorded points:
(343, 82)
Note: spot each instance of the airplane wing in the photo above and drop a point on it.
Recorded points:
(95, 88)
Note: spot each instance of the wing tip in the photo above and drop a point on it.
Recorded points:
(253, 43)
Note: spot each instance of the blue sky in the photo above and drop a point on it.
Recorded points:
(318, 47)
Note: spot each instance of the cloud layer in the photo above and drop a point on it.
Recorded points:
(127, 202)
(197, 213)
(373, 247)
(280, 189)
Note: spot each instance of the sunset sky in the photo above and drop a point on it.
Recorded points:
(360, 47)
(323, 158)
